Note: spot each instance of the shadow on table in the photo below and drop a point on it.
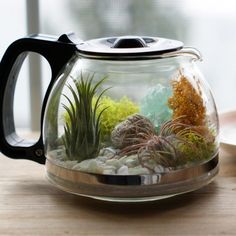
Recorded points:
(72, 203)
(199, 198)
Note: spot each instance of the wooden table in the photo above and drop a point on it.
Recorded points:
(29, 205)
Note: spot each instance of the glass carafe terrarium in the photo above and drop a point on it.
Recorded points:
(130, 119)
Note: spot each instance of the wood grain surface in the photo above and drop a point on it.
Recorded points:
(29, 205)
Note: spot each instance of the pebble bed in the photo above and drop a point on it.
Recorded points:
(108, 163)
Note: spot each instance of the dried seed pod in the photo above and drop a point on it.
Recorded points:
(130, 131)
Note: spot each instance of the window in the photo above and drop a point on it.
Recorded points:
(207, 25)
(13, 26)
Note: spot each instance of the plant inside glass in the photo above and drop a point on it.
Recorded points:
(82, 134)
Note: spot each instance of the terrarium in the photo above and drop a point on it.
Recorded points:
(124, 118)
(123, 127)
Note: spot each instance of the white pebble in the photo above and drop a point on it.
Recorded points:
(93, 165)
(102, 158)
(123, 170)
(110, 167)
(83, 165)
(159, 169)
(123, 159)
(139, 171)
(114, 162)
(131, 162)
(90, 165)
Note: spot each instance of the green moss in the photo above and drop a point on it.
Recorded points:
(113, 112)
(196, 148)
(116, 112)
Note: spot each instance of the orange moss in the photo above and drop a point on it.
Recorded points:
(187, 102)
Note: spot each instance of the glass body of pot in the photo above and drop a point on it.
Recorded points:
(130, 117)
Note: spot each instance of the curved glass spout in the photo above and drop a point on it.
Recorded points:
(186, 51)
(193, 52)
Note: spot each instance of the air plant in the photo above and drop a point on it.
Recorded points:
(82, 126)
(131, 130)
(175, 145)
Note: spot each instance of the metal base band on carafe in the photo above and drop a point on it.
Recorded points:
(133, 187)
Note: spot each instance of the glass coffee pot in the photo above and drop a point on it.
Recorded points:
(124, 118)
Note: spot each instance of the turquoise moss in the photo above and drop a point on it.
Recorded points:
(154, 105)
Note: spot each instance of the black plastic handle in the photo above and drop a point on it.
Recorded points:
(57, 52)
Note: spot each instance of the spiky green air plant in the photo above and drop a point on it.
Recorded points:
(82, 128)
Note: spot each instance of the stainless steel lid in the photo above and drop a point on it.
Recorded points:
(128, 47)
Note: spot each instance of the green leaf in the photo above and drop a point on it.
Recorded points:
(82, 130)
